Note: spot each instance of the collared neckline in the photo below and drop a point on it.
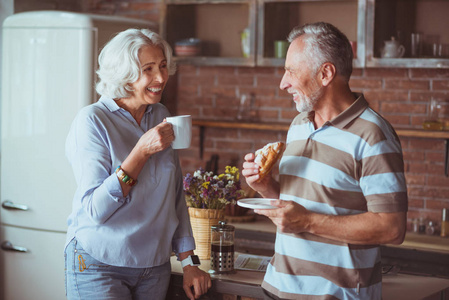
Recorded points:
(351, 113)
(112, 105)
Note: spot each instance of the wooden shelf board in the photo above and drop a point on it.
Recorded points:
(421, 133)
(416, 133)
(242, 125)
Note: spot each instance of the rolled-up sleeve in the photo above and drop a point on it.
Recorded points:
(98, 186)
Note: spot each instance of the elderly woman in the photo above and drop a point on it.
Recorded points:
(129, 211)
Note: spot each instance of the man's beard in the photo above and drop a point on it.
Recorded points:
(307, 103)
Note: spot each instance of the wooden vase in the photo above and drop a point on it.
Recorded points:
(202, 220)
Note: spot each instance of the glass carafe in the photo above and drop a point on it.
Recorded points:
(222, 248)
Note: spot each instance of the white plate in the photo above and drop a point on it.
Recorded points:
(256, 203)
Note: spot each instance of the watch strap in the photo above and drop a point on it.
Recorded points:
(189, 261)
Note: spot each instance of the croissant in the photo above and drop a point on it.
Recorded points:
(267, 157)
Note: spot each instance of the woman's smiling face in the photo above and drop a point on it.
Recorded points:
(154, 75)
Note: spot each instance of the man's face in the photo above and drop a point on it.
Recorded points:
(300, 80)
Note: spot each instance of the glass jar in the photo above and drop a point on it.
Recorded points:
(415, 225)
(422, 225)
(433, 120)
(430, 230)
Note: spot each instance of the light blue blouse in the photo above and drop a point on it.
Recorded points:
(142, 229)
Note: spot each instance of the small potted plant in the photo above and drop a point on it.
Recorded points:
(207, 196)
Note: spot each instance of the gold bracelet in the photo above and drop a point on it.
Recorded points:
(125, 178)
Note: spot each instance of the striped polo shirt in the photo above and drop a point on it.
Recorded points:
(351, 165)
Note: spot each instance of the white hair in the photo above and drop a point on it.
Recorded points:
(325, 43)
(119, 64)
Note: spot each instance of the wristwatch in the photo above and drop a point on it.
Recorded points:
(192, 260)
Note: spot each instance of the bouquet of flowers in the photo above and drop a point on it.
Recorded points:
(206, 190)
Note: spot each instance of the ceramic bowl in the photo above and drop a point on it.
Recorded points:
(188, 47)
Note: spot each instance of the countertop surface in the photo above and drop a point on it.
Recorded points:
(412, 240)
(394, 286)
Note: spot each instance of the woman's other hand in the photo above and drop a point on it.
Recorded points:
(196, 282)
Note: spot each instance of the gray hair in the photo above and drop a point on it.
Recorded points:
(325, 43)
(119, 63)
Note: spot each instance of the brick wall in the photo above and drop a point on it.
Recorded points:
(401, 95)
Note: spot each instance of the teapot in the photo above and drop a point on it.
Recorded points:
(392, 49)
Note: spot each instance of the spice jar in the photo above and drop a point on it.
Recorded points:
(444, 223)
(422, 225)
(430, 230)
(415, 225)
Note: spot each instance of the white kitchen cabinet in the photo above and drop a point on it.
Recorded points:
(37, 273)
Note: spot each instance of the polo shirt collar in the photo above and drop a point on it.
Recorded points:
(351, 113)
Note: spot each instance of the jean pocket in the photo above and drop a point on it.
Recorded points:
(85, 263)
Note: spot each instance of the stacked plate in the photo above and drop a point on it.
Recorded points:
(188, 47)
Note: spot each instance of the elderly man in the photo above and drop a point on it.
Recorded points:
(341, 186)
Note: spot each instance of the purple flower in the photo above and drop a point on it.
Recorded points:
(206, 190)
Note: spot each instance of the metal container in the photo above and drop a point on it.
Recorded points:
(222, 248)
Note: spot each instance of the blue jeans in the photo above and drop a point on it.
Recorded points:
(88, 279)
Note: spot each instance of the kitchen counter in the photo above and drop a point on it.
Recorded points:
(418, 257)
(419, 254)
(424, 242)
(412, 240)
(247, 284)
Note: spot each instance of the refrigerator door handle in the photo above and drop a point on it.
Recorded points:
(7, 246)
(10, 205)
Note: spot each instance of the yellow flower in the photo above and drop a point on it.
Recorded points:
(234, 171)
(206, 184)
(231, 170)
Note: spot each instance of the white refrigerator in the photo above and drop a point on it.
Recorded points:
(48, 67)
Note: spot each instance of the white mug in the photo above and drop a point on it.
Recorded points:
(182, 127)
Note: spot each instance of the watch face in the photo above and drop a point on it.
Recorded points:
(195, 259)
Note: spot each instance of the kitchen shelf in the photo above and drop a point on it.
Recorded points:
(208, 20)
(404, 132)
(242, 125)
(401, 18)
(421, 133)
(235, 125)
(368, 22)
(271, 27)
(408, 62)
